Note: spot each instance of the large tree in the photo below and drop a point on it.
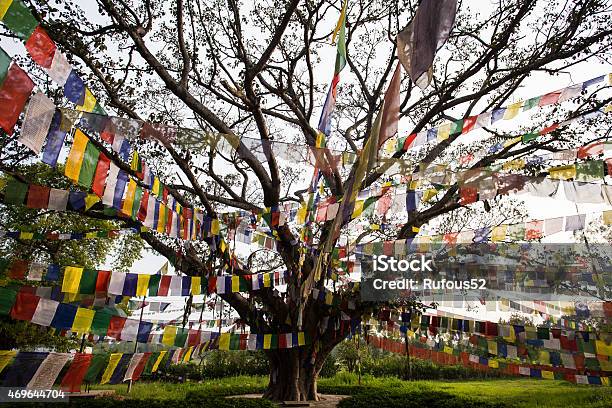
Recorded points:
(260, 71)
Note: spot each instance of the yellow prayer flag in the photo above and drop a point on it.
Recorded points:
(169, 335)
(603, 348)
(110, 368)
(90, 235)
(266, 279)
(224, 341)
(301, 214)
(72, 279)
(549, 375)
(159, 359)
(493, 363)
(301, 339)
(75, 157)
(82, 320)
(563, 172)
(358, 209)
(605, 380)
(187, 356)
(142, 284)
(444, 131)
(544, 357)
(161, 222)
(6, 356)
(267, 341)
(499, 233)
(607, 217)
(26, 235)
(128, 202)
(89, 103)
(448, 350)
(214, 227)
(235, 284)
(492, 347)
(156, 185)
(90, 200)
(610, 78)
(512, 110)
(429, 194)
(196, 285)
(4, 5)
(329, 298)
(513, 141)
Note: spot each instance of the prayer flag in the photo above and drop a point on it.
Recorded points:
(19, 19)
(41, 47)
(72, 278)
(47, 372)
(14, 93)
(418, 42)
(110, 368)
(76, 372)
(23, 368)
(38, 117)
(55, 140)
(83, 320)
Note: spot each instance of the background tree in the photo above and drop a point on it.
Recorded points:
(254, 71)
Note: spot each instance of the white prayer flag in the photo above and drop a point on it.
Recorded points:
(47, 372)
(36, 122)
(111, 182)
(115, 287)
(136, 357)
(45, 311)
(58, 199)
(60, 68)
(130, 330)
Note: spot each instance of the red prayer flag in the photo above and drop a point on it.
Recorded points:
(102, 281)
(18, 269)
(468, 124)
(550, 98)
(25, 306)
(38, 196)
(592, 149)
(41, 47)
(99, 182)
(16, 89)
(212, 284)
(468, 195)
(74, 376)
(164, 285)
(144, 202)
(409, 141)
(115, 327)
(140, 366)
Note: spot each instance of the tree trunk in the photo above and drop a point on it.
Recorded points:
(293, 377)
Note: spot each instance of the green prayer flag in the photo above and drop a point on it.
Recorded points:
(150, 362)
(15, 192)
(88, 167)
(5, 62)
(530, 103)
(243, 284)
(7, 299)
(368, 208)
(529, 137)
(100, 322)
(234, 341)
(154, 284)
(456, 127)
(99, 109)
(98, 363)
(274, 342)
(181, 337)
(19, 20)
(87, 286)
(543, 333)
(588, 170)
(136, 205)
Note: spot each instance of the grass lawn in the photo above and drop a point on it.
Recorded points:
(381, 392)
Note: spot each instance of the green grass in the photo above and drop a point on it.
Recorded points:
(520, 392)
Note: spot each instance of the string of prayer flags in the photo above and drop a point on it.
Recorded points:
(330, 101)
